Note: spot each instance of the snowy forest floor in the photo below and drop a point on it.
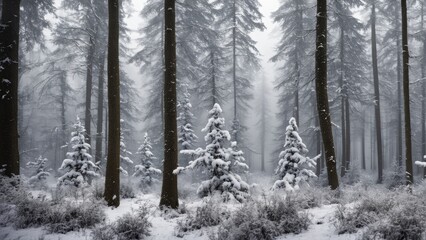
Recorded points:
(359, 208)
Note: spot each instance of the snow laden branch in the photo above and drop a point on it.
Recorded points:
(294, 167)
(218, 161)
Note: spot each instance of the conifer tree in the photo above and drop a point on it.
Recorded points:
(294, 167)
(186, 135)
(78, 166)
(216, 161)
(146, 171)
(41, 173)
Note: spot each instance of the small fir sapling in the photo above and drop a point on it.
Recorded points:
(215, 158)
(237, 159)
(294, 167)
(146, 171)
(124, 153)
(78, 166)
(186, 135)
(41, 172)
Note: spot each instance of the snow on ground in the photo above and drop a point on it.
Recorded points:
(322, 226)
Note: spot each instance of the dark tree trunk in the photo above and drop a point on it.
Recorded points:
(318, 143)
(399, 94)
(112, 176)
(322, 95)
(214, 91)
(347, 134)
(363, 166)
(376, 95)
(406, 89)
(169, 191)
(63, 130)
(234, 68)
(89, 86)
(342, 103)
(263, 128)
(423, 121)
(100, 114)
(9, 76)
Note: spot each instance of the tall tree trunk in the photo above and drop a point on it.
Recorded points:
(406, 89)
(322, 95)
(347, 134)
(9, 76)
(318, 143)
(376, 95)
(89, 86)
(63, 141)
(234, 68)
(423, 121)
(169, 191)
(263, 127)
(342, 103)
(100, 114)
(399, 93)
(112, 176)
(214, 91)
(363, 166)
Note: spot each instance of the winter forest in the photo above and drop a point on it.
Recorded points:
(212, 119)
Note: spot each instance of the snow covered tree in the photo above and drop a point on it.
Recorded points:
(238, 162)
(78, 166)
(216, 160)
(146, 171)
(41, 173)
(294, 166)
(186, 135)
(124, 159)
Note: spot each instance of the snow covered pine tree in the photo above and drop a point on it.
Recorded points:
(145, 170)
(124, 153)
(216, 159)
(39, 177)
(293, 166)
(78, 166)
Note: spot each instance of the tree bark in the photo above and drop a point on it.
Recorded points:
(89, 86)
(342, 103)
(423, 68)
(112, 176)
(363, 166)
(234, 67)
(263, 128)
(406, 85)
(376, 95)
(100, 114)
(347, 134)
(169, 191)
(9, 76)
(322, 95)
(399, 95)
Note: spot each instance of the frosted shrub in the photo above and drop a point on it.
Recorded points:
(216, 160)
(32, 213)
(72, 217)
(369, 210)
(293, 166)
(133, 226)
(207, 215)
(127, 190)
(395, 178)
(104, 232)
(407, 222)
(263, 220)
